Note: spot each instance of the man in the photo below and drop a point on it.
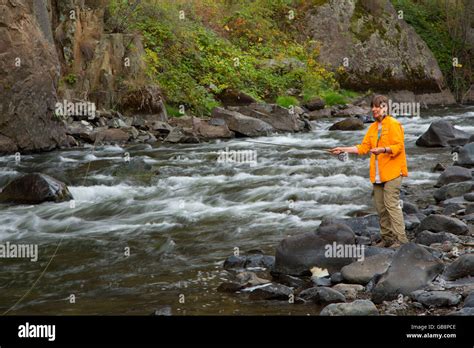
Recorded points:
(385, 141)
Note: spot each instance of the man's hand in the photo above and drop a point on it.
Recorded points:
(378, 150)
(336, 150)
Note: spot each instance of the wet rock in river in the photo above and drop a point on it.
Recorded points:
(462, 267)
(35, 188)
(361, 272)
(322, 295)
(356, 308)
(454, 174)
(441, 223)
(442, 133)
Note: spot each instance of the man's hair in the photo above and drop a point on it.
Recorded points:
(378, 100)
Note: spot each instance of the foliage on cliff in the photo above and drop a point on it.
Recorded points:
(197, 49)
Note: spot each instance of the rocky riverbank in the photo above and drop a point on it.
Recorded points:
(431, 275)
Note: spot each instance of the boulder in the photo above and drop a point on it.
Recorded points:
(349, 291)
(462, 267)
(241, 124)
(352, 111)
(356, 308)
(280, 118)
(296, 255)
(410, 208)
(270, 291)
(111, 136)
(412, 268)
(442, 223)
(361, 272)
(208, 131)
(454, 174)
(442, 133)
(469, 301)
(177, 135)
(317, 114)
(322, 295)
(232, 97)
(35, 188)
(428, 238)
(436, 298)
(411, 222)
(367, 226)
(469, 196)
(315, 104)
(466, 156)
(349, 124)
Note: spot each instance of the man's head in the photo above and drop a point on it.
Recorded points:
(379, 107)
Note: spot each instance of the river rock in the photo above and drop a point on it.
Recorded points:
(352, 111)
(466, 156)
(373, 250)
(442, 223)
(442, 133)
(317, 114)
(112, 135)
(292, 282)
(469, 196)
(367, 226)
(178, 135)
(349, 291)
(241, 124)
(322, 295)
(349, 124)
(469, 301)
(248, 279)
(428, 237)
(296, 255)
(462, 267)
(469, 311)
(356, 308)
(436, 298)
(452, 190)
(207, 131)
(233, 97)
(454, 174)
(270, 291)
(249, 261)
(35, 188)
(410, 208)
(452, 208)
(412, 268)
(315, 104)
(280, 118)
(361, 272)
(411, 222)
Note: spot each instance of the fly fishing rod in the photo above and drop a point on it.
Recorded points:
(342, 156)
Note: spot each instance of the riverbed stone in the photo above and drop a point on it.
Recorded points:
(452, 190)
(428, 237)
(270, 291)
(361, 272)
(412, 268)
(454, 174)
(356, 308)
(436, 298)
(462, 267)
(296, 255)
(442, 223)
(322, 295)
(349, 124)
(350, 291)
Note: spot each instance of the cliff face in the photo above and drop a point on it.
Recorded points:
(376, 49)
(29, 70)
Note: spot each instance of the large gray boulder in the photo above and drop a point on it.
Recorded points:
(296, 255)
(362, 34)
(442, 223)
(412, 268)
(441, 133)
(34, 189)
(241, 124)
(454, 174)
(349, 124)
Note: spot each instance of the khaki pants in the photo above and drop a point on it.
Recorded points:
(387, 203)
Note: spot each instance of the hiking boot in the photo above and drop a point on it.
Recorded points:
(383, 243)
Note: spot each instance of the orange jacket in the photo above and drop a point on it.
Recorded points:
(391, 165)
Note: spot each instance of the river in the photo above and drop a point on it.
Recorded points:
(180, 225)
